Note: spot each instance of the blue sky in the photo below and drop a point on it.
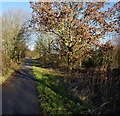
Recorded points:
(15, 5)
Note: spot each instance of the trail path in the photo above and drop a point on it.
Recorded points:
(19, 96)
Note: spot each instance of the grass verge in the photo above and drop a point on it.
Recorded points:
(54, 99)
(10, 73)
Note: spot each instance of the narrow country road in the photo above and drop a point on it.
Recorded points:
(19, 96)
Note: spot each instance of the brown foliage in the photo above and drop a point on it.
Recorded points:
(79, 26)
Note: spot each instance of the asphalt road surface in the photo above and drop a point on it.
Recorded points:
(19, 96)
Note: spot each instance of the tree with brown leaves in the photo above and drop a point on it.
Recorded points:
(79, 26)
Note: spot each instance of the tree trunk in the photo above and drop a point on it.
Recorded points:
(68, 57)
(80, 64)
(68, 60)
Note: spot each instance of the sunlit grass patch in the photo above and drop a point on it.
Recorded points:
(53, 96)
(3, 78)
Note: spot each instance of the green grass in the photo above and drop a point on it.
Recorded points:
(54, 99)
(11, 71)
(4, 78)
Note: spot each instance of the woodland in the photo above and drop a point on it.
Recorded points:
(79, 40)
